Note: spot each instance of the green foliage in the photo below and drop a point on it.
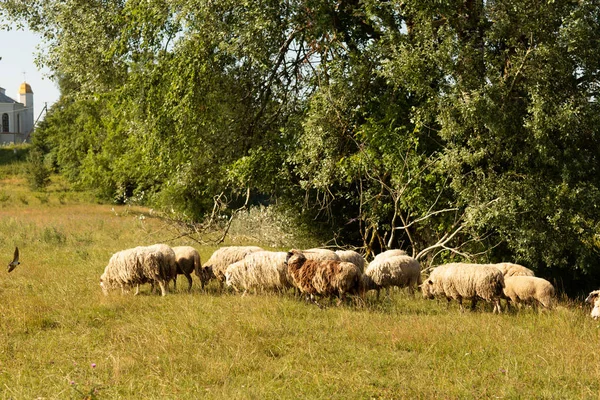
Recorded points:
(38, 173)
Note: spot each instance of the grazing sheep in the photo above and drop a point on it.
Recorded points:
(390, 253)
(322, 277)
(262, 270)
(528, 289)
(465, 281)
(353, 257)
(320, 254)
(594, 298)
(188, 261)
(140, 265)
(510, 269)
(401, 271)
(236, 276)
(225, 256)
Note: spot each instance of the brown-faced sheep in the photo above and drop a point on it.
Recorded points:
(353, 257)
(223, 257)
(465, 281)
(322, 277)
(528, 290)
(262, 270)
(401, 271)
(510, 269)
(140, 265)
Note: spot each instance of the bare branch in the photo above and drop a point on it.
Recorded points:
(441, 243)
(426, 217)
(233, 214)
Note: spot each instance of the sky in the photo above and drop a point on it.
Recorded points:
(18, 50)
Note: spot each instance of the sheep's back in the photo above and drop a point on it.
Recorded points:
(353, 257)
(223, 257)
(474, 280)
(399, 270)
(510, 269)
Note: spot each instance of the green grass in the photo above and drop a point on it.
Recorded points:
(56, 324)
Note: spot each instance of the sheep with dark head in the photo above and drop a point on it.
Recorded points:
(322, 277)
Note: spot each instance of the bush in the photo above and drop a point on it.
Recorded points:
(38, 174)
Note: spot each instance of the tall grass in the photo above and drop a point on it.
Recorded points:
(60, 338)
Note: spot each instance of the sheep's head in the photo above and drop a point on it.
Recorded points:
(206, 274)
(366, 283)
(427, 289)
(294, 255)
(592, 296)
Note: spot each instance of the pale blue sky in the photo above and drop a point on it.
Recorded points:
(18, 51)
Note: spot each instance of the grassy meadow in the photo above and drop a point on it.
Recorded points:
(60, 338)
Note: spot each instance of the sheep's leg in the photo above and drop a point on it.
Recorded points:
(189, 278)
(497, 306)
(163, 288)
(462, 309)
(175, 283)
(314, 300)
(473, 303)
(378, 290)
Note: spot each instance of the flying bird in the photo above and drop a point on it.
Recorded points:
(13, 264)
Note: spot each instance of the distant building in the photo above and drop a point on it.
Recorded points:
(16, 117)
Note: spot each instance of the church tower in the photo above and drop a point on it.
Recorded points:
(27, 117)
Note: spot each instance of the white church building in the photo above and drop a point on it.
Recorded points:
(16, 117)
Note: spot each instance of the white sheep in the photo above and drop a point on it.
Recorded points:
(320, 254)
(400, 271)
(465, 281)
(594, 298)
(223, 257)
(262, 270)
(322, 277)
(390, 253)
(528, 289)
(140, 265)
(353, 257)
(510, 269)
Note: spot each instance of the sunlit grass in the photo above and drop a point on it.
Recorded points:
(61, 338)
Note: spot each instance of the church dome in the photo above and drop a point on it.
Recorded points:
(25, 88)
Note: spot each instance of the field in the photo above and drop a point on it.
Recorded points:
(60, 338)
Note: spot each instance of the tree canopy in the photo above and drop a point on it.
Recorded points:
(448, 128)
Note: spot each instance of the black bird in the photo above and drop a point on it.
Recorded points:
(13, 264)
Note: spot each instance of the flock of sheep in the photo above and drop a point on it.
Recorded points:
(317, 273)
